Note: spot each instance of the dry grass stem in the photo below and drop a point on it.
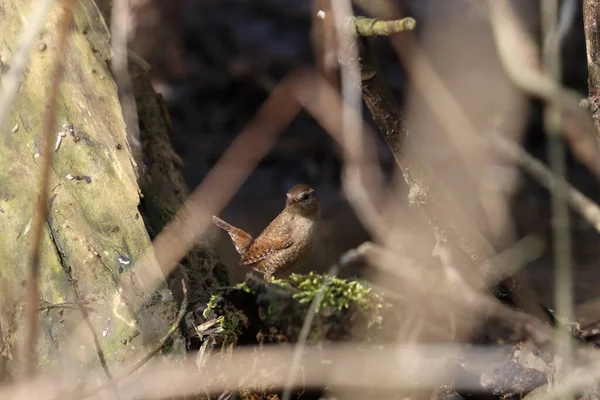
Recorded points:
(560, 204)
(41, 208)
(519, 56)
(119, 31)
(12, 78)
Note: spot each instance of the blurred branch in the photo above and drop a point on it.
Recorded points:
(119, 27)
(304, 331)
(12, 78)
(591, 27)
(519, 56)
(41, 206)
(586, 207)
(395, 366)
(460, 243)
(324, 41)
(363, 184)
(563, 279)
(474, 303)
(460, 129)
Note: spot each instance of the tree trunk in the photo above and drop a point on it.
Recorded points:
(94, 231)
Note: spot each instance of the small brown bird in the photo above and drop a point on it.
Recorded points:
(287, 241)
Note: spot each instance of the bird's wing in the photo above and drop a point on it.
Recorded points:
(272, 240)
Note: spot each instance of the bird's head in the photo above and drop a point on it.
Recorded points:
(302, 200)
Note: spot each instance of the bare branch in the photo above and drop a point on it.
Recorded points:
(119, 27)
(518, 54)
(560, 205)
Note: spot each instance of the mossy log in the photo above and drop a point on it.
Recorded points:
(94, 229)
(256, 313)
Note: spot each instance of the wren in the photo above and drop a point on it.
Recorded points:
(287, 242)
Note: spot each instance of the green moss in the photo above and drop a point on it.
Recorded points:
(243, 286)
(210, 307)
(274, 312)
(340, 294)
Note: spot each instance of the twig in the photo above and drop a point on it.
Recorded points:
(152, 353)
(12, 78)
(306, 325)
(475, 303)
(347, 258)
(518, 54)
(452, 227)
(324, 41)
(589, 210)
(65, 304)
(363, 186)
(460, 129)
(518, 256)
(322, 101)
(394, 367)
(97, 345)
(119, 26)
(39, 219)
(563, 280)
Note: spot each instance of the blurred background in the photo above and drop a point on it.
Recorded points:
(215, 62)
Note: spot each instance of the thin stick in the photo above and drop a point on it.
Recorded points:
(12, 78)
(586, 207)
(119, 26)
(97, 345)
(563, 280)
(39, 219)
(362, 185)
(518, 54)
(306, 325)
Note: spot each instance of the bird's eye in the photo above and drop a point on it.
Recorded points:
(304, 197)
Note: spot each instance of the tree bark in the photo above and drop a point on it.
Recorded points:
(94, 231)
(591, 18)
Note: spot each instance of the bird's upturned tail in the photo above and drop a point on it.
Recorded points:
(241, 239)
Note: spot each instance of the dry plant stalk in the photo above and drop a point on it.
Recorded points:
(519, 56)
(462, 234)
(12, 78)
(560, 205)
(41, 207)
(120, 25)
